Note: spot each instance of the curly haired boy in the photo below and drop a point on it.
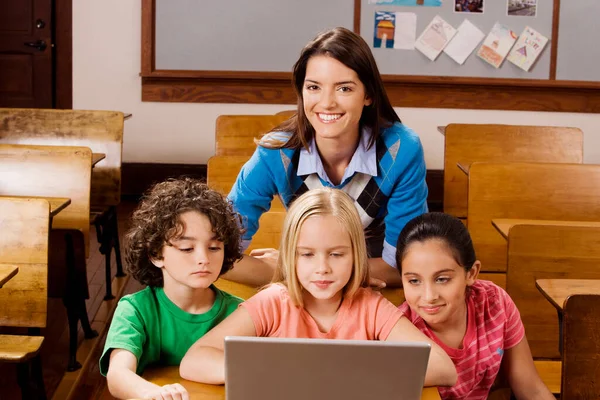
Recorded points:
(183, 237)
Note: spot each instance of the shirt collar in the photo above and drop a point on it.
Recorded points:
(363, 160)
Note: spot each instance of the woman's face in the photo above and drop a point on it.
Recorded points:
(334, 98)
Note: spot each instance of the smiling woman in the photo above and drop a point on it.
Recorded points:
(345, 135)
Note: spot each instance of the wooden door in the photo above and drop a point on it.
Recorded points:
(26, 48)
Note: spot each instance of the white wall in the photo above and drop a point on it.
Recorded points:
(106, 67)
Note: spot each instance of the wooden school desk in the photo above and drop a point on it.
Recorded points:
(97, 157)
(7, 271)
(200, 391)
(503, 225)
(57, 204)
(556, 291)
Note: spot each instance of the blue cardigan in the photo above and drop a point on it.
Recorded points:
(387, 201)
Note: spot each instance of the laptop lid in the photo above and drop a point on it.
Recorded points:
(320, 369)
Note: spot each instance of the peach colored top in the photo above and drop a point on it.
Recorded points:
(366, 316)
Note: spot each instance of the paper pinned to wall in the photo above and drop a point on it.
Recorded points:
(497, 44)
(464, 42)
(435, 37)
(406, 31)
(527, 48)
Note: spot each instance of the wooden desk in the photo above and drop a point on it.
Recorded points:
(7, 271)
(464, 167)
(57, 204)
(201, 391)
(503, 225)
(97, 157)
(557, 290)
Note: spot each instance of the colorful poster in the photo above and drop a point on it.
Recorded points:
(469, 6)
(524, 8)
(385, 30)
(527, 49)
(464, 42)
(394, 30)
(408, 3)
(496, 45)
(435, 37)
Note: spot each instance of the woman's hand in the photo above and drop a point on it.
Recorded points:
(268, 256)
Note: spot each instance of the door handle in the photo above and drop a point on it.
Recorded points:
(39, 44)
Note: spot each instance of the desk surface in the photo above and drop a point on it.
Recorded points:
(57, 204)
(464, 167)
(167, 375)
(7, 271)
(503, 225)
(557, 290)
(97, 157)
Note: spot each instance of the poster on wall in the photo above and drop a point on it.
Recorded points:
(497, 44)
(408, 3)
(464, 42)
(435, 37)
(395, 30)
(527, 49)
(468, 6)
(522, 8)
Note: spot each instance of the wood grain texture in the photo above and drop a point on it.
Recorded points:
(51, 171)
(547, 252)
(530, 191)
(167, 375)
(435, 93)
(17, 348)
(101, 131)
(468, 143)
(24, 227)
(7, 272)
(235, 134)
(557, 291)
(503, 226)
(581, 346)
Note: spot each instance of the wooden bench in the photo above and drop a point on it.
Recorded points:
(102, 132)
(528, 191)
(581, 348)
(235, 134)
(24, 227)
(467, 143)
(58, 171)
(547, 252)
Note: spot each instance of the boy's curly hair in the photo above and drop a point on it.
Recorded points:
(156, 222)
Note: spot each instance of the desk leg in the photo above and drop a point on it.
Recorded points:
(560, 332)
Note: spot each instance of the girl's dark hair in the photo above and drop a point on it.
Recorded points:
(156, 222)
(351, 50)
(438, 226)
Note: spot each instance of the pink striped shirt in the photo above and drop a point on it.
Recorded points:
(494, 325)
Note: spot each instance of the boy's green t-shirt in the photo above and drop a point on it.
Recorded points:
(156, 331)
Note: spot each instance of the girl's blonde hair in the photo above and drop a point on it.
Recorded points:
(323, 201)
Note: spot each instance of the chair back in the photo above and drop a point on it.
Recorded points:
(24, 226)
(50, 171)
(235, 134)
(581, 347)
(101, 131)
(566, 192)
(468, 143)
(547, 252)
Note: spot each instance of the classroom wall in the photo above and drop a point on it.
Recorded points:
(106, 66)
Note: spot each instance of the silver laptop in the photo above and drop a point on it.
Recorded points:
(318, 369)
